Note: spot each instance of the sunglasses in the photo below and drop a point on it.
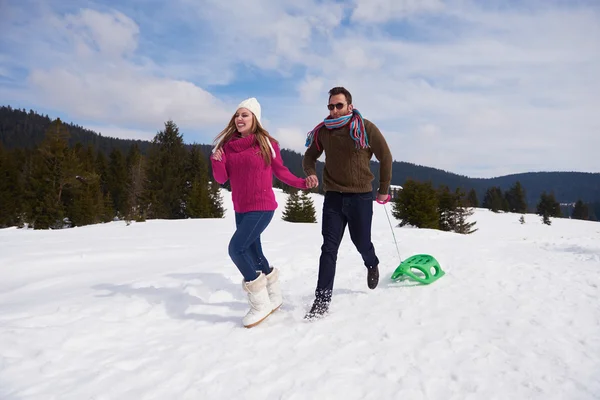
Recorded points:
(339, 106)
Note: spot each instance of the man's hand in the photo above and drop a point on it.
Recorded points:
(312, 181)
(383, 198)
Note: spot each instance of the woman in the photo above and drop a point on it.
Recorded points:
(247, 156)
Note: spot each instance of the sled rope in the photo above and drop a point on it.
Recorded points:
(393, 234)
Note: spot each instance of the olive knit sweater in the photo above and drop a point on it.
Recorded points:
(347, 169)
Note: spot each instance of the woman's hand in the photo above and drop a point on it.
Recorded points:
(217, 155)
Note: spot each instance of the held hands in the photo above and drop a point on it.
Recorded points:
(218, 155)
(312, 181)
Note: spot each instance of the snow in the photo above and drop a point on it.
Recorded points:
(153, 311)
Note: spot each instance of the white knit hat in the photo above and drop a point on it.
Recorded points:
(253, 105)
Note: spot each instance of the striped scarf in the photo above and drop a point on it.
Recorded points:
(357, 129)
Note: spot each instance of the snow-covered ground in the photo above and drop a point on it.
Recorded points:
(153, 311)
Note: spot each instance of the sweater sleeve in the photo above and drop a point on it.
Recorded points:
(219, 169)
(312, 154)
(384, 156)
(282, 173)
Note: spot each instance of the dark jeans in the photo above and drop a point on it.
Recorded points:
(340, 209)
(244, 248)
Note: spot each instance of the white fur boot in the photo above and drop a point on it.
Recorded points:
(274, 289)
(258, 298)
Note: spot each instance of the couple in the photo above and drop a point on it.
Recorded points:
(247, 156)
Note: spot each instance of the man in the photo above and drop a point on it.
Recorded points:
(349, 142)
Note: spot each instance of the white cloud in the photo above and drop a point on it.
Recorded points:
(109, 34)
(370, 11)
(311, 89)
(273, 35)
(290, 138)
(101, 81)
(119, 96)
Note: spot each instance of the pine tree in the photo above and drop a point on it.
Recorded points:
(83, 202)
(116, 181)
(102, 170)
(494, 200)
(462, 226)
(10, 189)
(197, 186)
(293, 208)
(515, 197)
(546, 219)
(548, 207)
(61, 161)
(88, 159)
(447, 204)
(165, 171)
(134, 206)
(309, 214)
(581, 211)
(108, 212)
(86, 206)
(472, 200)
(462, 212)
(453, 211)
(216, 200)
(43, 209)
(417, 205)
(197, 200)
(54, 168)
(70, 183)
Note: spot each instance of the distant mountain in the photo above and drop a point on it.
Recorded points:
(567, 187)
(22, 129)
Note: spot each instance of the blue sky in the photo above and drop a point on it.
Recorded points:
(480, 88)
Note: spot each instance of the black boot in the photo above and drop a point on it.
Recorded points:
(372, 276)
(320, 306)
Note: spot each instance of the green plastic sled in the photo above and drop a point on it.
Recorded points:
(421, 262)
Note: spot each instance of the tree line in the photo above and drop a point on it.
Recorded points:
(54, 185)
(26, 129)
(513, 200)
(58, 183)
(421, 205)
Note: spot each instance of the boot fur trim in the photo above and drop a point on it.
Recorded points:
(273, 276)
(256, 285)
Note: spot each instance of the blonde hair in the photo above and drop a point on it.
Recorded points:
(262, 136)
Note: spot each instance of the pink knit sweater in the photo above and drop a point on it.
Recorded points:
(250, 178)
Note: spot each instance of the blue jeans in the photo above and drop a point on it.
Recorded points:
(354, 210)
(245, 249)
